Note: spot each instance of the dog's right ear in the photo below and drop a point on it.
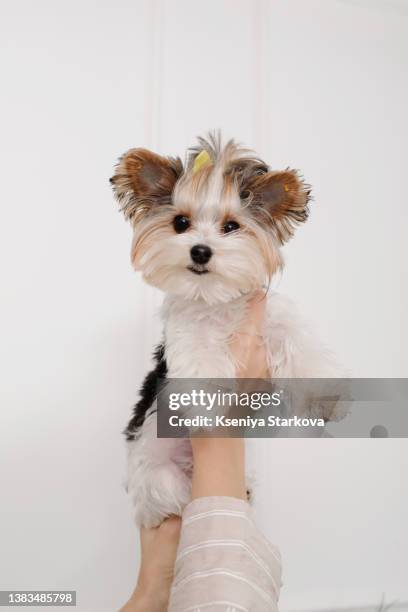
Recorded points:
(143, 179)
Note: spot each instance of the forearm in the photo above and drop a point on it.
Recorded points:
(219, 467)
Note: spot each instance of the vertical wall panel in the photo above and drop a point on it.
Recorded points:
(336, 94)
(72, 352)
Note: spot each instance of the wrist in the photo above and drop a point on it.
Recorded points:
(211, 448)
(215, 456)
(219, 468)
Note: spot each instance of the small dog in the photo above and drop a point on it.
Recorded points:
(208, 233)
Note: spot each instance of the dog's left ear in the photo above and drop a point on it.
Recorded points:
(280, 199)
(144, 179)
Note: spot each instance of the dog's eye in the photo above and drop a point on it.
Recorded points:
(230, 226)
(261, 170)
(181, 223)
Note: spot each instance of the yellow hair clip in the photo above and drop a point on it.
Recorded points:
(200, 161)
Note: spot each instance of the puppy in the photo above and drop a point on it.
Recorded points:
(208, 233)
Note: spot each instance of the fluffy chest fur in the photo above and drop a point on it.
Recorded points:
(196, 337)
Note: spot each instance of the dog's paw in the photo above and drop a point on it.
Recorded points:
(329, 410)
(164, 491)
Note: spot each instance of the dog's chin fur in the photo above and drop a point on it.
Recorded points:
(209, 288)
(219, 284)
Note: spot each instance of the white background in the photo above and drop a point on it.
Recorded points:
(316, 84)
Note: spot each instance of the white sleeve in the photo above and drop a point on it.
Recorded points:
(224, 564)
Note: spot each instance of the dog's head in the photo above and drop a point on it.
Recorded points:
(211, 229)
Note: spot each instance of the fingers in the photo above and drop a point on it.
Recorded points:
(252, 323)
(247, 342)
(256, 309)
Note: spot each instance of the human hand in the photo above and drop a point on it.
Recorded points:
(158, 554)
(219, 463)
(247, 344)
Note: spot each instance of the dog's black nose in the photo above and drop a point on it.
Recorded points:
(200, 253)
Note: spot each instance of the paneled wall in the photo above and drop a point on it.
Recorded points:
(318, 85)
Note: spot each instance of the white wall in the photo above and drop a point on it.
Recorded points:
(320, 85)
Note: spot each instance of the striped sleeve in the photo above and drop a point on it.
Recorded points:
(224, 564)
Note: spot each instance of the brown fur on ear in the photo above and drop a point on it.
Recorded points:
(279, 198)
(143, 179)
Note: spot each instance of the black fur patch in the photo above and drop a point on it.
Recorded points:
(148, 393)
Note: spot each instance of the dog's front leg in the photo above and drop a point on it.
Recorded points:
(159, 474)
